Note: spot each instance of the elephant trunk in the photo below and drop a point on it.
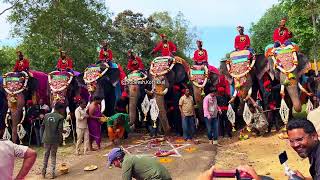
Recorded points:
(162, 114)
(293, 93)
(16, 115)
(133, 99)
(198, 99)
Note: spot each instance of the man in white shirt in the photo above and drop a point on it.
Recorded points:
(8, 152)
(82, 126)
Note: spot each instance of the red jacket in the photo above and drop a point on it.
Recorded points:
(105, 55)
(241, 42)
(166, 49)
(68, 64)
(138, 66)
(281, 36)
(200, 55)
(21, 65)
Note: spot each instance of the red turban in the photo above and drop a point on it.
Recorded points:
(163, 35)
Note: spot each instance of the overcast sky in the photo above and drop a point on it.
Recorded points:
(216, 20)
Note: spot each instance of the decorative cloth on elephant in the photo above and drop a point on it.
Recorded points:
(59, 82)
(165, 47)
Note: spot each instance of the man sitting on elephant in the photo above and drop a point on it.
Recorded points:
(105, 54)
(242, 41)
(22, 64)
(200, 56)
(65, 63)
(134, 62)
(167, 48)
(282, 35)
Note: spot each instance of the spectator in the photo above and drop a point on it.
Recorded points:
(222, 101)
(208, 175)
(33, 116)
(43, 107)
(117, 125)
(210, 111)
(52, 136)
(94, 123)
(82, 127)
(304, 140)
(8, 152)
(137, 167)
(122, 103)
(187, 114)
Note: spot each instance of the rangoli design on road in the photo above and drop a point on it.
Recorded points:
(158, 147)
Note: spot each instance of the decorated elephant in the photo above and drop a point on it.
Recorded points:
(286, 64)
(18, 87)
(203, 79)
(3, 108)
(103, 80)
(136, 81)
(165, 73)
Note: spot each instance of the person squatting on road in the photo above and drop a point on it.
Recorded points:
(138, 167)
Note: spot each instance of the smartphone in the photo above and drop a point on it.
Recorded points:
(283, 157)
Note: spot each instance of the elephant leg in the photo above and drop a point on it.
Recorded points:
(16, 117)
(162, 114)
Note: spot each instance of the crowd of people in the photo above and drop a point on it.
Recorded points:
(48, 126)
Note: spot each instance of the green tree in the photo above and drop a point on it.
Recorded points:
(177, 29)
(8, 56)
(46, 26)
(262, 31)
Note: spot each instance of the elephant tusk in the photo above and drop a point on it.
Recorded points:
(7, 117)
(164, 92)
(103, 105)
(282, 91)
(23, 115)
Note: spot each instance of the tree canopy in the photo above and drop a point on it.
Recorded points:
(300, 14)
(79, 26)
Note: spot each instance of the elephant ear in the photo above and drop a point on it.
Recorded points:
(263, 65)
(303, 64)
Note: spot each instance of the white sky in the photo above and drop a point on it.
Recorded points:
(201, 13)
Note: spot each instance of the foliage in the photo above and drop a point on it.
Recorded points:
(262, 31)
(79, 26)
(8, 57)
(299, 14)
(46, 26)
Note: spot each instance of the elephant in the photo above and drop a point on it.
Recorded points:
(204, 79)
(102, 80)
(19, 86)
(165, 73)
(287, 72)
(3, 109)
(136, 82)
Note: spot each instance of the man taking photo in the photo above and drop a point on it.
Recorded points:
(304, 140)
